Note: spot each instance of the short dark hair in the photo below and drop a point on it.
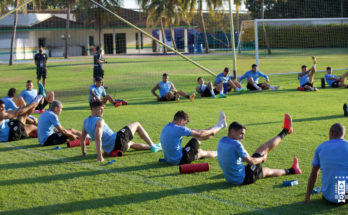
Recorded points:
(11, 92)
(338, 130)
(226, 69)
(254, 65)
(199, 78)
(98, 79)
(29, 81)
(236, 126)
(96, 104)
(181, 115)
(164, 74)
(1, 102)
(303, 66)
(328, 68)
(97, 48)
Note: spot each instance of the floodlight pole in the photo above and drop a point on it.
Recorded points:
(160, 42)
(233, 45)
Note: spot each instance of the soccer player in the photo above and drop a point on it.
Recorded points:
(41, 66)
(252, 77)
(171, 138)
(330, 158)
(206, 90)
(97, 66)
(109, 141)
(306, 78)
(11, 101)
(12, 122)
(231, 155)
(50, 131)
(168, 92)
(29, 94)
(334, 80)
(96, 91)
(224, 82)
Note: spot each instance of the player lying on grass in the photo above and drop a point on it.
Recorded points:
(109, 141)
(206, 89)
(334, 80)
(50, 131)
(168, 92)
(97, 90)
(231, 155)
(12, 122)
(171, 138)
(29, 95)
(331, 158)
(225, 83)
(306, 77)
(252, 78)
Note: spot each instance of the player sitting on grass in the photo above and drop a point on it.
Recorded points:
(206, 90)
(49, 130)
(334, 80)
(97, 90)
(306, 78)
(231, 155)
(252, 77)
(331, 158)
(110, 141)
(11, 101)
(224, 82)
(29, 94)
(168, 91)
(171, 137)
(12, 122)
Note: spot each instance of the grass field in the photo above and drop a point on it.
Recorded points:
(39, 180)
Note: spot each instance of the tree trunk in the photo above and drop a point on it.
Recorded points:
(172, 36)
(13, 34)
(99, 28)
(205, 34)
(66, 54)
(163, 36)
(264, 27)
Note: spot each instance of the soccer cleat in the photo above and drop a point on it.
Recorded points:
(315, 89)
(36, 111)
(259, 88)
(37, 99)
(42, 111)
(276, 87)
(213, 96)
(117, 103)
(245, 90)
(314, 60)
(156, 148)
(222, 96)
(222, 120)
(240, 91)
(345, 110)
(124, 102)
(300, 88)
(287, 123)
(296, 166)
(192, 97)
(177, 98)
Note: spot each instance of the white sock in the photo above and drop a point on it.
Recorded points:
(212, 92)
(237, 89)
(312, 89)
(242, 88)
(273, 88)
(215, 153)
(221, 92)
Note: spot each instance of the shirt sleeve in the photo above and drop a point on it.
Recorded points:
(55, 121)
(316, 160)
(185, 131)
(22, 94)
(263, 75)
(103, 92)
(243, 77)
(241, 151)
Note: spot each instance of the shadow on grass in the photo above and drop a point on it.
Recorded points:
(11, 148)
(133, 198)
(301, 120)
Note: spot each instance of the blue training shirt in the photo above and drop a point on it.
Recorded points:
(220, 78)
(29, 95)
(303, 80)
(171, 137)
(98, 91)
(328, 80)
(45, 126)
(165, 88)
(9, 103)
(230, 154)
(4, 130)
(255, 75)
(108, 136)
(331, 157)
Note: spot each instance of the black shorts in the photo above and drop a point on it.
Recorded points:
(41, 72)
(335, 84)
(307, 84)
(164, 98)
(56, 139)
(17, 130)
(123, 137)
(42, 106)
(251, 87)
(98, 72)
(207, 92)
(253, 172)
(190, 152)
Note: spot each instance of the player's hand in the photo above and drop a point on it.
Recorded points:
(264, 158)
(75, 137)
(100, 159)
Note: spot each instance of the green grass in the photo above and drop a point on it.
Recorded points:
(39, 180)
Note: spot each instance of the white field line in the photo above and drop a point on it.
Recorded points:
(139, 178)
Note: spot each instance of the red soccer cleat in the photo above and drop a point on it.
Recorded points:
(117, 103)
(296, 166)
(287, 123)
(124, 102)
(300, 88)
(42, 111)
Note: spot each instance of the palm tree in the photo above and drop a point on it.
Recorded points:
(264, 27)
(238, 4)
(197, 6)
(69, 4)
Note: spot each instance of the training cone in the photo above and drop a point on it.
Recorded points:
(115, 153)
(300, 88)
(191, 168)
(74, 143)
